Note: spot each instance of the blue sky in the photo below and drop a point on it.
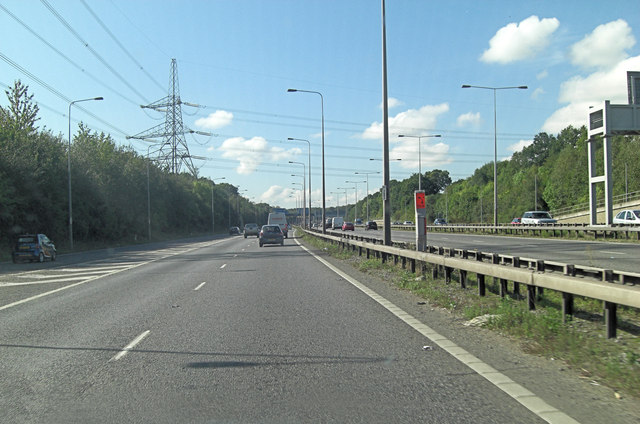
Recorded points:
(237, 58)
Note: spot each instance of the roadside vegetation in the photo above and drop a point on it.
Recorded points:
(110, 188)
(580, 343)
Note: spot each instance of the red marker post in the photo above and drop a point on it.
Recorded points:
(421, 220)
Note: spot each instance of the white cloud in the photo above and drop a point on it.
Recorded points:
(520, 41)
(251, 153)
(278, 195)
(580, 93)
(469, 119)
(517, 147)
(410, 121)
(604, 47)
(431, 154)
(542, 75)
(217, 119)
(392, 102)
(537, 93)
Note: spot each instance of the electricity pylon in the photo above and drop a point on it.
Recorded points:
(173, 153)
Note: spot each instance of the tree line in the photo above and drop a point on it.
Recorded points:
(111, 186)
(549, 174)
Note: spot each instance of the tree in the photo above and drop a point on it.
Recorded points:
(21, 115)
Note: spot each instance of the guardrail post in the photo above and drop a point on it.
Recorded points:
(610, 319)
(434, 272)
(447, 274)
(368, 253)
(567, 306)
(503, 287)
(482, 288)
(463, 279)
(384, 257)
(404, 262)
(607, 275)
(516, 285)
(413, 265)
(531, 296)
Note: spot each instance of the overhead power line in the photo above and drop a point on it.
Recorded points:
(65, 57)
(113, 37)
(93, 51)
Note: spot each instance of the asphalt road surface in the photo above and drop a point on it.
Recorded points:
(226, 331)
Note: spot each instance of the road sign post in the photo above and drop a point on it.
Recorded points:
(421, 220)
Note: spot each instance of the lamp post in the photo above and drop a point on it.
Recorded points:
(495, 144)
(149, 192)
(294, 90)
(337, 193)
(213, 215)
(367, 174)
(69, 169)
(355, 215)
(309, 171)
(420, 137)
(386, 197)
(304, 196)
(297, 195)
(346, 200)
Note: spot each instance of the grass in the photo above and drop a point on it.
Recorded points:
(579, 342)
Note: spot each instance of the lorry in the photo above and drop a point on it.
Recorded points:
(337, 222)
(280, 219)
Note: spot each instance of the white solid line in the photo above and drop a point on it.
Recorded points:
(525, 397)
(130, 346)
(223, 266)
(200, 286)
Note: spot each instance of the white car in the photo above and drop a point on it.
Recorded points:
(627, 217)
(537, 217)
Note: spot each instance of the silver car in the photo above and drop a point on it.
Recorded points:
(251, 230)
(271, 234)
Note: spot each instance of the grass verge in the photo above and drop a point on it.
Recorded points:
(579, 342)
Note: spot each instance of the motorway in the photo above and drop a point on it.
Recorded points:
(619, 256)
(222, 330)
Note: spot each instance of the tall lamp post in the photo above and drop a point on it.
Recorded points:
(309, 171)
(355, 215)
(337, 193)
(213, 215)
(294, 90)
(69, 169)
(304, 196)
(495, 143)
(346, 200)
(420, 137)
(367, 174)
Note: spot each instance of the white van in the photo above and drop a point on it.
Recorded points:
(337, 222)
(280, 219)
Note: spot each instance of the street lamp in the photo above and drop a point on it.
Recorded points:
(420, 137)
(294, 90)
(355, 215)
(495, 144)
(69, 169)
(367, 174)
(149, 191)
(304, 197)
(346, 200)
(338, 193)
(213, 216)
(309, 171)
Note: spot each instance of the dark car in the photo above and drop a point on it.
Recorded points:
(234, 231)
(271, 234)
(440, 221)
(370, 225)
(348, 226)
(33, 247)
